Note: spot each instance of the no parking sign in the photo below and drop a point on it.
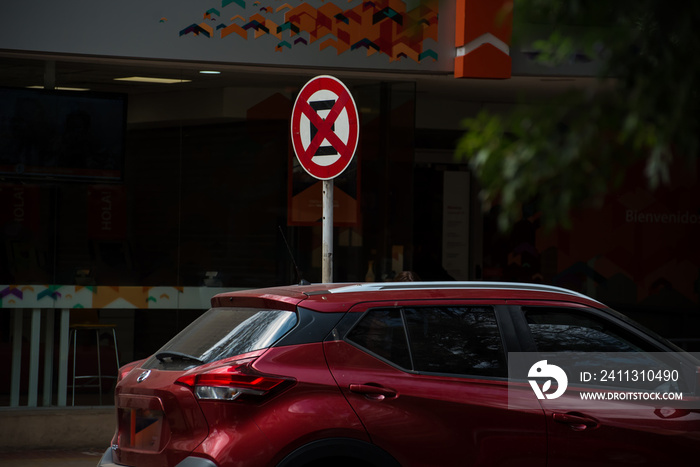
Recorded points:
(325, 132)
(325, 127)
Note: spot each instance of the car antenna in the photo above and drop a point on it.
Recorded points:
(302, 281)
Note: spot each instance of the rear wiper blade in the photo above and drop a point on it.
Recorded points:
(172, 355)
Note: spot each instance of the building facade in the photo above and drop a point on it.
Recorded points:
(153, 168)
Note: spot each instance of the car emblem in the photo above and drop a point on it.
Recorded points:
(143, 376)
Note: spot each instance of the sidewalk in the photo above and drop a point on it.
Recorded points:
(66, 429)
(63, 458)
(55, 436)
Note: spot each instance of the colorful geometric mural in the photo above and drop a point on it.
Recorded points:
(389, 27)
(98, 297)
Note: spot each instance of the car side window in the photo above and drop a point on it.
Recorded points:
(562, 330)
(456, 340)
(449, 340)
(382, 332)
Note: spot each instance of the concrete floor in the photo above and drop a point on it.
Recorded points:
(33, 431)
(51, 458)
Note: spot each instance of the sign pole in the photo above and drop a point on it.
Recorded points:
(325, 131)
(327, 234)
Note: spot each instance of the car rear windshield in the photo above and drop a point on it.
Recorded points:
(221, 333)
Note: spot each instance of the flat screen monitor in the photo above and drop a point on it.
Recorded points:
(62, 134)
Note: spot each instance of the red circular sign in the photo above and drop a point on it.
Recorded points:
(325, 127)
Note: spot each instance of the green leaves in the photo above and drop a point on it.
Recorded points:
(557, 48)
(569, 153)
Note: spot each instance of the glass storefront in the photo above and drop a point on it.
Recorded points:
(117, 189)
(195, 200)
(141, 200)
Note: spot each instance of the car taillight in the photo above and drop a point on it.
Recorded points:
(125, 370)
(231, 382)
(122, 373)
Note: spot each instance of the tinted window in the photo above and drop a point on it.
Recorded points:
(452, 340)
(557, 330)
(456, 340)
(226, 332)
(565, 330)
(382, 332)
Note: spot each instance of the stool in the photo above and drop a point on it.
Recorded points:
(97, 328)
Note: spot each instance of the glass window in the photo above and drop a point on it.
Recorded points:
(224, 332)
(452, 340)
(382, 333)
(596, 342)
(456, 340)
(561, 330)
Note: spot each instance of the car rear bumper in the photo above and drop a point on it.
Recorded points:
(107, 461)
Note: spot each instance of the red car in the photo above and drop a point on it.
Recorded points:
(389, 374)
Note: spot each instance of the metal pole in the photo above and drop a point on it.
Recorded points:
(327, 235)
(99, 364)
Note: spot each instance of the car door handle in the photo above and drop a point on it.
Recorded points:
(577, 421)
(372, 391)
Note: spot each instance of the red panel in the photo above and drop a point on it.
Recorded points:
(20, 209)
(477, 17)
(487, 61)
(474, 18)
(106, 212)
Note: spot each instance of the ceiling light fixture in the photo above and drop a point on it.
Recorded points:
(147, 79)
(59, 88)
(210, 72)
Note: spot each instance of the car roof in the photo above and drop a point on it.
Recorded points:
(338, 297)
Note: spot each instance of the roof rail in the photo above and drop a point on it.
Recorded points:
(377, 286)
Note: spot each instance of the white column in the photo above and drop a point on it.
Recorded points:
(64, 335)
(16, 356)
(34, 346)
(48, 357)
